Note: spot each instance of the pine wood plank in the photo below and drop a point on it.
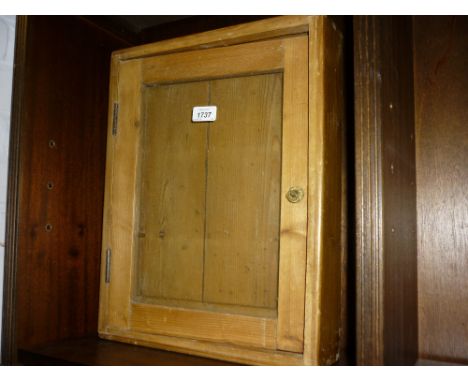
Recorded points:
(214, 326)
(249, 58)
(315, 208)
(121, 195)
(210, 307)
(172, 193)
(293, 234)
(104, 296)
(322, 328)
(243, 185)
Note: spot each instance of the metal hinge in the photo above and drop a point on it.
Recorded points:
(115, 118)
(108, 264)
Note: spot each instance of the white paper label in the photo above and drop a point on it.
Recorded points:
(204, 114)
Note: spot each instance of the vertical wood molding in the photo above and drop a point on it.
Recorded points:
(12, 211)
(369, 249)
(385, 192)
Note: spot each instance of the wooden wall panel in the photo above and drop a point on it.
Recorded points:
(61, 174)
(441, 109)
(399, 194)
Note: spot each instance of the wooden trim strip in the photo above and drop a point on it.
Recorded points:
(104, 296)
(315, 175)
(293, 235)
(386, 254)
(369, 245)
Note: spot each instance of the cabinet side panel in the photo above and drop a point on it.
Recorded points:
(330, 299)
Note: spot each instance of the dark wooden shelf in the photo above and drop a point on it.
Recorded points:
(97, 352)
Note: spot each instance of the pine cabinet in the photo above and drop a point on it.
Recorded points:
(223, 202)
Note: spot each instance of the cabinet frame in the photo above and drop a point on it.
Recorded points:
(324, 225)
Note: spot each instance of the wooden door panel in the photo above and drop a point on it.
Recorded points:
(267, 260)
(204, 235)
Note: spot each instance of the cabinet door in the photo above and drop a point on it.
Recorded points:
(207, 221)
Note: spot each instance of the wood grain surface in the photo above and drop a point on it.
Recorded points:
(208, 64)
(267, 29)
(399, 193)
(255, 110)
(243, 192)
(334, 188)
(385, 192)
(92, 351)
(227, 328)
(441, 100)
(304, 315)
(226, 252)
(58, 273)
(172, 184)
(294, 216)
(62, 143)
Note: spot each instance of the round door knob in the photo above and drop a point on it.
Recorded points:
(295, 194)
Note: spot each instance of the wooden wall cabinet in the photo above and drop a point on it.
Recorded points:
(224, 238)
(409, 112)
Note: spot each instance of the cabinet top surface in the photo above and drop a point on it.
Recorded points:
(238, 34)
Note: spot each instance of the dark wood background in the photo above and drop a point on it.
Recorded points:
(61, 173)
(56, 179)
(411, 178)
(441, 110)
